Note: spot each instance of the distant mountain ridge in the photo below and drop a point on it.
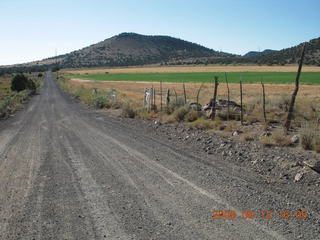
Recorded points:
(291, 55)
(256, 53)
(132, 49)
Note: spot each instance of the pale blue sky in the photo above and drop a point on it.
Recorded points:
(33, 29)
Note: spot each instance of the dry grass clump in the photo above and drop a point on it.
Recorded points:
(278, 138)
(192, 115)
(310, 136)
(232, 126)
(180, 113)
(128, 111)
(204, 124)
(247, 137)
(143, 113)
(168, 118)
(233, 115)
(281, 139)
(267, 141)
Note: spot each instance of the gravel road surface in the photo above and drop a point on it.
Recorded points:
(68, 172)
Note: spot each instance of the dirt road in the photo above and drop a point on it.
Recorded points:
(67, 172)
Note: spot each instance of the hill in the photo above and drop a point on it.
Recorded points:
(283, 57)
(129, 49)
(256, 53)
(290, 55)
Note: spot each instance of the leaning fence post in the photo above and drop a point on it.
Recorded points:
(168, 98)
(241, 104)
(198, 93)
(161, 95)
(264, 103)
(184, 93)
(228, 92)
(151, 96)
(176, 95)
(144, 97)
(295, 92)
(216, 84)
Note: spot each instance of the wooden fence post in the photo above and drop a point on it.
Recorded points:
(295, 92)
(176, 95)
(160, 95)
(198, 93)
(154, 100)
(264, 103)
(213, 111)
(184, 93)
(228, 92)
(168, 98)
(150, 99)
(241, 103)
(144, 97)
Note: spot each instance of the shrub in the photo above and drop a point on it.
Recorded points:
(309, 134)
(128, 111)
(232, 126)
(20, 82)
(192, 115)
(145, 114)
(174, 105)
(202, 124)
(284, 102)
(316, 144)
(247, 137)
(267, 141)
(101, 102)
(281, 139)
(180, 113)
(233, 115)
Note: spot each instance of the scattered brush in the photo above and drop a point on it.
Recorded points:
(267, 141)
(203, 124)
(180, 114)
(247, 137)
(143, 113)
(281, 139)
(101, 102)
(128, 111)
(310, 136)
(192, 115)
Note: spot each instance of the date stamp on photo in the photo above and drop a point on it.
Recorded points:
(262, 214)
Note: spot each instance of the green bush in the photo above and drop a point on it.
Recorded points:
(20, 82)
(180, 113)
(101, 102)
(203, 124)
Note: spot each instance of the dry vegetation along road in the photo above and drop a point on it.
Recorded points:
(68, 172)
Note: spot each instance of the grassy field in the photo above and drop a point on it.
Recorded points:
(191, 69)
(206, 77)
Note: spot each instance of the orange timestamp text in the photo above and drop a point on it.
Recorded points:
(262, 214)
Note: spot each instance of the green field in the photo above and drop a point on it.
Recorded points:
(233, 77)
